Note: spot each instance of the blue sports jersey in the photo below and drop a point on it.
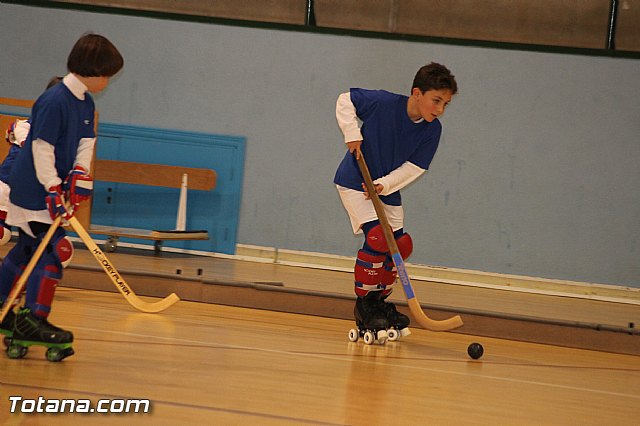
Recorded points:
(7, 164)
(61, 119)
(389, 139)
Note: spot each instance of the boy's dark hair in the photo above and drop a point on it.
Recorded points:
(94, 56)
(53, 82)
(435, 77)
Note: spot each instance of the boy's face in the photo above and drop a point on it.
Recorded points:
(96, 84)
(432, 103)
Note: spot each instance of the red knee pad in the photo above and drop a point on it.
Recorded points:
(376, 240)
(405, 245)
(64, 249)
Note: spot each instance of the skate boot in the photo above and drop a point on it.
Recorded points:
(30, 330)
(398, 322)
(6, 328)
(371, 319)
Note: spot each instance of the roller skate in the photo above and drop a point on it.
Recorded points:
(398, 322)
(30, 330)
(371, 320)
(6, 328)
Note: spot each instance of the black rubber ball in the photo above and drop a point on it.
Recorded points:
(475, 350)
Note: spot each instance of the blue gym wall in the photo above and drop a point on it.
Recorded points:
(537, 172)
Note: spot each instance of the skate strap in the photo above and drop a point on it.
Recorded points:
(365, 264)
(370, 287)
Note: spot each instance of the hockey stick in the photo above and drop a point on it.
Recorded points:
(19, 285)
(115, 276)
(412, 301)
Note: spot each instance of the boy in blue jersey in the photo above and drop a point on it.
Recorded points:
(398, 136)
(15, 136)
(53, 166)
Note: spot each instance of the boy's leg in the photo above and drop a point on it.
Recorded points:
(369, 269)
(18, 257)
(31, 323)
(375, 238)
(13, 265)
(369, 273)
(5, 230)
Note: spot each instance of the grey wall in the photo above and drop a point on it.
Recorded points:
(537, 172)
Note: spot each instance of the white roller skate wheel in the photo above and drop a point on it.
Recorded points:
(405, 332)
(353, 335)
(381, 336)
(393, 335)
(368, 338)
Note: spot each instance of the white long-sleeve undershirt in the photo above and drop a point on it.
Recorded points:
(44, 161)
(399, 178)
(347, 118)
(20, 132)
(84, 155)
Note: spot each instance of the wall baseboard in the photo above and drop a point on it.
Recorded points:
(428, 273)
(453, 276)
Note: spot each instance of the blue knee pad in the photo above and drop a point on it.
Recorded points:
(14, 263)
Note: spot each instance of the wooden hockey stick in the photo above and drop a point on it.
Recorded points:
(19, 285)
(412, 301)
(115, 276)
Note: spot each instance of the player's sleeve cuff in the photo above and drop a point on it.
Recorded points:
(352, 135)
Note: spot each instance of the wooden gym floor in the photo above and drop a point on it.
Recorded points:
(211, 363)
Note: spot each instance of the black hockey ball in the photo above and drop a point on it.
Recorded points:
(475, 350)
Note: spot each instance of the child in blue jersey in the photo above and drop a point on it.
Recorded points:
(53, 167)
(398, 136)
(15, 136)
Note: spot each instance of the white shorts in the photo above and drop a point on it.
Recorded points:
(20, 217)
(361, 210)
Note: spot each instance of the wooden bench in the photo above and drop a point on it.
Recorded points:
(137, 173)
(152, 175)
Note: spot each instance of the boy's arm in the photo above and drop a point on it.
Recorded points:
(348, 123)
(44, 161)
(17, 133)
(399, 178)
(347, 118)
(85, 153)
